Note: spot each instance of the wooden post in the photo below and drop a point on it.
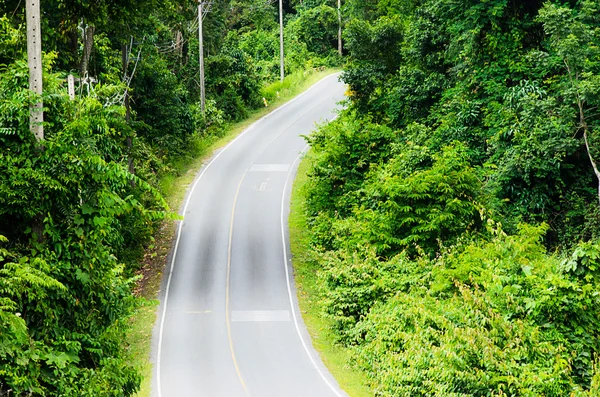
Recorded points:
(281, 52)
(34, 60)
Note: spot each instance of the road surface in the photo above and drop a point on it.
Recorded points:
(229, 323)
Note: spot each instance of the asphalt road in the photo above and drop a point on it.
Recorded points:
(229, 323)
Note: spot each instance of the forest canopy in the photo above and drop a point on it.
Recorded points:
(454, 205)
(79, 208)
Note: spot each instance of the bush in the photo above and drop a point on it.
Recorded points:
(496, 318)
(317, 27)
(163, 108)
(237, 90)
(72, 213)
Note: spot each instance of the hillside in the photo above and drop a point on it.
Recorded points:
(81, 206)
(453, 207)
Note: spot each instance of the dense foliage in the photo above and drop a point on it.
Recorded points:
(78, 208)
(454, 206)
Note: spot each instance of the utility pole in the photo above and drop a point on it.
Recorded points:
(201, 12)
(340, 27)
(281, 60)
(36, 111)
(34, 60)
(125, 49)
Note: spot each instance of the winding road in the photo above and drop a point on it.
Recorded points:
(229, 324)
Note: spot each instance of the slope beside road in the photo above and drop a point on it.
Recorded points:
(229, 323)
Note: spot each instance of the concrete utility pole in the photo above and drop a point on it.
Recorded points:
(34, 60)
(201, 49)
(340, 27)
(201, 12)
(282, 63)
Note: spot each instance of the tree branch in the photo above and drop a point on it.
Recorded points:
(583, 125)
(594, 166)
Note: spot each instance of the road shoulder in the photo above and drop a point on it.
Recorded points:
(335, 357)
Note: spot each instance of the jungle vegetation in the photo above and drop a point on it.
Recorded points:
(78, 209)
(454, 205)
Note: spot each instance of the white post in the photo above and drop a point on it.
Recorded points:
(282, 64)
(34, 60)
(71, 86)
(201, 57)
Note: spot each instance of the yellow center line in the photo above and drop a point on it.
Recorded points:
(227, 290)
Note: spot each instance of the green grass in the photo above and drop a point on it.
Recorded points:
(174, 187)
(139, 342)
(291, 84)
(334, 356)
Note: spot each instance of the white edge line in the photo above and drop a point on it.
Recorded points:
(288, 280)
(187, 202)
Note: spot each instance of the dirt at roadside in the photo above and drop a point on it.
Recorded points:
(154, 261)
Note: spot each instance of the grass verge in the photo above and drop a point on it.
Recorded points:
(174, 187)
(334, 356)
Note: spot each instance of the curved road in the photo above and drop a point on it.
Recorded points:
(229, 324)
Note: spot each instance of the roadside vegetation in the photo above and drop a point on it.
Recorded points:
(306, 277)
(85, 213)
(447, 235)
(452, 210)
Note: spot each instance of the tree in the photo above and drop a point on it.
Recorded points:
(575, 42)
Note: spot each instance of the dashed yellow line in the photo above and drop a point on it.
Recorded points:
(227, 290)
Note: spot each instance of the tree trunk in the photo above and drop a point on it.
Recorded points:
(37, 228)
(179, 44)
(594, 165)
(88, 45)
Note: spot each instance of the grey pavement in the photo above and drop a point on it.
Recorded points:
(228, 325)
